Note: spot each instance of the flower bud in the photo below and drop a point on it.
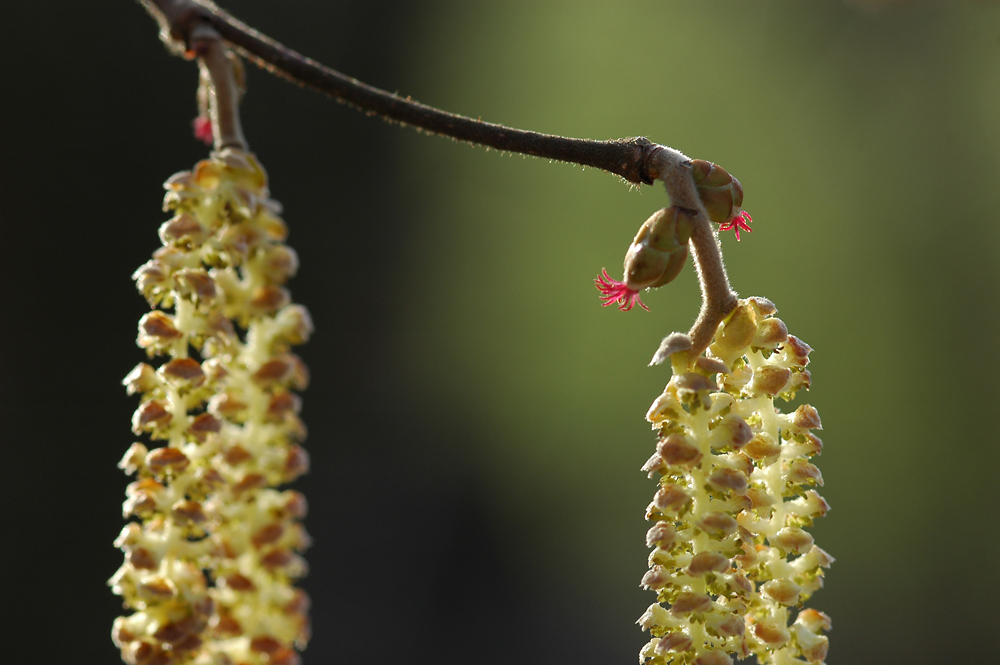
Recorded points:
(188, 511)
(717, 524)
(763, 447)
(792, 539)
(677, 450)
(166, 459)
(157, 332)
(801, 472)
(266, 300)
(153, 281)
(813, 620)
(183, 229)
(806, 417)
(655, 578)
(195, 285)
(141, 379)
(708, 562)
(810, 506)
(720, 193)
(782, 591)
(724, 480)
(771, 333)
(816, 557)
(762, 307)
(654, 616)
(655, 257)
(673, 642)
(759, 497)
(796, 351)
(141, 558)
(671, 499)
(772, 632)
(182, 372)
(730, 626)
(203, 425)
(665, 406)
(692, 384)
(714, 657)
(279, 263)
(732, 432)
(654, 465)
(741, 584)
(660, 557)
(134, 459)
(671, 344)
(661, 534)
(150, 416)
(769, 380)
(689, 601)
(813, 647)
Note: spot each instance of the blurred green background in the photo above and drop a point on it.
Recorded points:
(476, 417)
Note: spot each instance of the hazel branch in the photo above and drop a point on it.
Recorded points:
(636, 160)
(626, 158)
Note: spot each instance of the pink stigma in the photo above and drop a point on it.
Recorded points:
(740, 221)
(202, 129)
(615, 292)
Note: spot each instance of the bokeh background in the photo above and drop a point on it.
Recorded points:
(476, 417)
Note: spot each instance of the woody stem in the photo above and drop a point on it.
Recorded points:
(627, 158)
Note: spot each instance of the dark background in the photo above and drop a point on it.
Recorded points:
(476, 418)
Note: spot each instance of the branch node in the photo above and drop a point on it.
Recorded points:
(178, 20)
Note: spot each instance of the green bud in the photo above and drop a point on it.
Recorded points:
(721, 193)
(659, 250)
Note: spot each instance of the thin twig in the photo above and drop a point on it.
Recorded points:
(717, 297)
(636, 160)
(623, 157)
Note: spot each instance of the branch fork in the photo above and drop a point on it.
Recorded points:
(717, 297)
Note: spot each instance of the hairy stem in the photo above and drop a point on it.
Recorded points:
(717, 297)
(626, 158)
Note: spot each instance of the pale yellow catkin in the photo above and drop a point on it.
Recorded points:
(213, 551)
(732, 563)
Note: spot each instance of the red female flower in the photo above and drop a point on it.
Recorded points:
(615, 292)
(740, 221)
(203, 129)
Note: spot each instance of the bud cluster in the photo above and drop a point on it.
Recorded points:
(732, 563)
(213, 551)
